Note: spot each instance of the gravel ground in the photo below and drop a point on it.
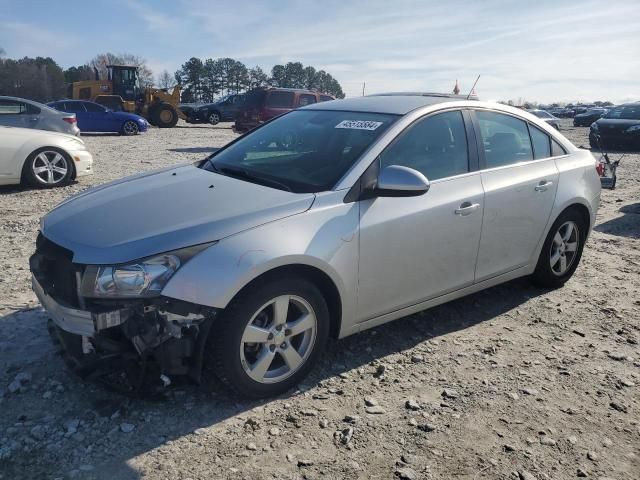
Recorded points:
(511, 383)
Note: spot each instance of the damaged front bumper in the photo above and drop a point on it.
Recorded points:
(163, 333)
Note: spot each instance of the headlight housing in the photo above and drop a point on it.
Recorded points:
(139, 279)
(633, 128)
(594, 126)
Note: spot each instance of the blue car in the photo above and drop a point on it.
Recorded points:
(93, 117)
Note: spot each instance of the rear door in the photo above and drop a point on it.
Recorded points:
(520, 180)
(100, 119)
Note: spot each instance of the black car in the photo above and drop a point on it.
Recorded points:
(619, 129)
(223, 110)
(587, 118)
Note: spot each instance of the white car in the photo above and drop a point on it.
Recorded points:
(41, 158)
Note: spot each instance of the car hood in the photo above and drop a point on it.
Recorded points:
(161, 211)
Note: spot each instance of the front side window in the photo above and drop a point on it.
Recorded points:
(505, 139)
(94, 107)
(12, 107)
(306, 99)
(436, 146)
(280, 99)
(541, 145)
(302, 151)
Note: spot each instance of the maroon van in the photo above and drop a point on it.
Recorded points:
(262, 104)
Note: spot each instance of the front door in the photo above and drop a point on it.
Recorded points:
(416, 248)
(520, 182)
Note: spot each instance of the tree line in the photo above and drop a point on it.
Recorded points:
(43, 80)
(206, 80)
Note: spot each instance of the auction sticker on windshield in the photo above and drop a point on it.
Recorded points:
(359, 124)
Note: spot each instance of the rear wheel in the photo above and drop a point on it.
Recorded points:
(269, 337)
(48, 168)
(561, 251)
(165, 116)
(130, 128)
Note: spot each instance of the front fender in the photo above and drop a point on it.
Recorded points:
(324, 237)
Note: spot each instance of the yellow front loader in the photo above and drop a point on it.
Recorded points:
(121, 92)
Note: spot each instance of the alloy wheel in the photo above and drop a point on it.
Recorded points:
(278, 339)
(50, 167)
(130, 128)
(214, 118)
(564, 248)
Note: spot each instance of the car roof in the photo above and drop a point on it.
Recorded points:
(390, 103)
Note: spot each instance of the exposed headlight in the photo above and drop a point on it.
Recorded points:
(633, 128)
(594, 126)
(144, 278)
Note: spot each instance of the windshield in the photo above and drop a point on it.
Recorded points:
(302, 151)
(630, 112)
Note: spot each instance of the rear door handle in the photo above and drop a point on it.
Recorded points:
(467, 208)
(542, 186)
(33, 119)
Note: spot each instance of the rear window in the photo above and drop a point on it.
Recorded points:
(280, 99)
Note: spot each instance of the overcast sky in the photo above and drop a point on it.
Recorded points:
(535, 50)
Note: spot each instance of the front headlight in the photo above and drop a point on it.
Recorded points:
(144, 278)
(633, 128)
(594, 126)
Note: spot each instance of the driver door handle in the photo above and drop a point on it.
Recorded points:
(467, 208)
(542, 186)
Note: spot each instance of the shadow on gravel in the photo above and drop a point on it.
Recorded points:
(195, 149)
(627, 225)
(185, 408)
(11, 189)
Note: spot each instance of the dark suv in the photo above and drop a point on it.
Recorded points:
(262, 104)
(222, 110)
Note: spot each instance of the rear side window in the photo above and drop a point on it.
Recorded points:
(325, 98)
(541, 144)
(306, 99)
(436, 146)
(505, 139)
(557, 149)
(280, 99)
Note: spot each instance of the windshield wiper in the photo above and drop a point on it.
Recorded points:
(244, 174)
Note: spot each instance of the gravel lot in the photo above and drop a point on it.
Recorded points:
(514, 382)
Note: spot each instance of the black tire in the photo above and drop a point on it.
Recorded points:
(165, 116)
(222, 355)
(214, 118)
(544, 275)
(33, 161)
(129, 128)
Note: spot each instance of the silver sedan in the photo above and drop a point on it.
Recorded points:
(18, 112)
(324, 222)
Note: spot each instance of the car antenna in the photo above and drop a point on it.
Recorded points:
(473, 87)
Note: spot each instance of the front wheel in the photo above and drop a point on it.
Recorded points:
(214, 118)
(561, 251)
(48, 168)
(130, 128)
(269, 337)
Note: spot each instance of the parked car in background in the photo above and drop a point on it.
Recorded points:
(587, 118)
(18, 112)
(93, 117)
(547, 117)
(618, 129)
(224, 110)
(328, 220)
(41, 158)
(262, 104)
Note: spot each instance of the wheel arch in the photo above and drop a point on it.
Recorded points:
(320, 279)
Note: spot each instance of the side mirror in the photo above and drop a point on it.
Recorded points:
(399, 181)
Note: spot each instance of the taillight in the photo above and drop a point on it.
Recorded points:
(70, 120)
(600, 168)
